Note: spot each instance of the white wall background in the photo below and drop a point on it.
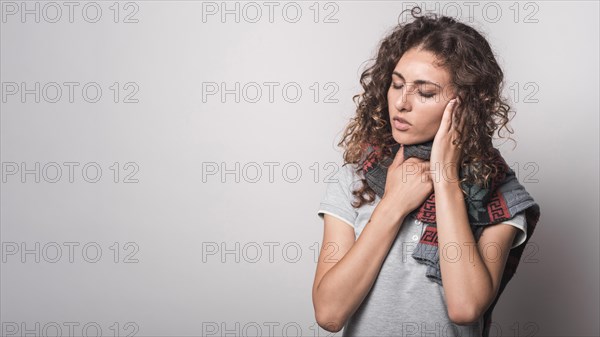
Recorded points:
(165, 206)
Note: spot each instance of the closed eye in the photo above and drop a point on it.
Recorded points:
(426, 95)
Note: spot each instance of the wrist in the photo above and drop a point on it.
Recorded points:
(391, 210)
(446, 184)
(444, 176)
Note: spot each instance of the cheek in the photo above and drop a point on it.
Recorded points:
(431, 119)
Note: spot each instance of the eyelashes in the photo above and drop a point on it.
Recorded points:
(420, 93)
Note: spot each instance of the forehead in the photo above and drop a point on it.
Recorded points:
(420, 65)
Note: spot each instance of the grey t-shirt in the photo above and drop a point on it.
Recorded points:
(402, 301)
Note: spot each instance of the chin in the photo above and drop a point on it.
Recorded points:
(406, 139)
(402, 138)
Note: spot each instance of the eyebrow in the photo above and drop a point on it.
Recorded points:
(418, 82)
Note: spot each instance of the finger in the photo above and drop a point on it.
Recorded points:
(447, 116)
(461, 122)
(452, 117)
(458, 122)
(399, 158)
(452, 114)
(425, 169)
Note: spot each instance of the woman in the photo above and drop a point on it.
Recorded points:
(420, 173)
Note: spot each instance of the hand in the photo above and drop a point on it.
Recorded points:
(445, 156)
(408, 183)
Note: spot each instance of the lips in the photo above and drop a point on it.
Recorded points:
(401, 124)
(401, 120)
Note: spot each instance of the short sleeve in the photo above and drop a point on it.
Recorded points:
(520, 222)
(338, 197)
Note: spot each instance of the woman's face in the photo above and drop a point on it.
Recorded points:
(419, 93)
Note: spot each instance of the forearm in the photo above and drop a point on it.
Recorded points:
(466, 280)
(343, 288)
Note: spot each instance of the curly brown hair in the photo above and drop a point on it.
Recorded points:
(475, 75)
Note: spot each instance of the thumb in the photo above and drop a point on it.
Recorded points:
(399, 158)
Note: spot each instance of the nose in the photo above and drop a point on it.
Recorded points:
(404, 97)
